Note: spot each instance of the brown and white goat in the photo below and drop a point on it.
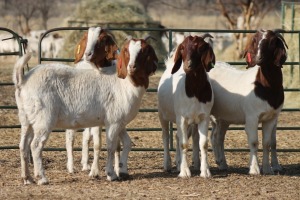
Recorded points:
(185, 97)
(56, 95)
(251, 97)
(96, 49)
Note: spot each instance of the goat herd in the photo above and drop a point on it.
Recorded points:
(106, 88)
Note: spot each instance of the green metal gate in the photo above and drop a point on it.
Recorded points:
(296, 62)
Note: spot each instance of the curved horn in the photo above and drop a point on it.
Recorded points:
(278, 30)
(109, 32)
(205, 35)
(148, 37)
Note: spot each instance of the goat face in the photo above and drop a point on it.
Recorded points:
(267, 48)
(195, 53)
(105, 50)
(100, 51)
(137, 59)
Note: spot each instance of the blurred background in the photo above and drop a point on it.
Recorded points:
(32, 18)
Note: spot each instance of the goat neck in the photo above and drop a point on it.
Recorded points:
(197, 58)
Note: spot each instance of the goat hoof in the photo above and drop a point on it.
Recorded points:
(43, 181)
(205, 174)
(254, 170)
(112, 177)
(185, 173)
(93, 174)
(28, 181)
(86, 167)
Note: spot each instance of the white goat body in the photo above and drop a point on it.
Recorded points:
(250, 97)
(56, 95)
(87, 44)
(177, 105)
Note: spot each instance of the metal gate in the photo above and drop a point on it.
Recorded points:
(296, 63)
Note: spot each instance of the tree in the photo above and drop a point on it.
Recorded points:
(245, 15)
(25, 11)
(46, 10)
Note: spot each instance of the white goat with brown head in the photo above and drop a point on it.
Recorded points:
(56, 95)
(251, 97)
(185, 97)
(96, 49)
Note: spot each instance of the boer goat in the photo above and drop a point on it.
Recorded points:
(96, 49)
(251, 97)
(56, 95)
(185, 97)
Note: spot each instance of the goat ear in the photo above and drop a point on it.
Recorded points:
(280, 57)
(152, 61)
(121, 65)
(80, 48)
(177, 60)
(209, 59)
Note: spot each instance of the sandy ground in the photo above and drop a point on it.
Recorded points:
(147, 179)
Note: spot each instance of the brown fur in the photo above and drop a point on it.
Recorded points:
(105, 49)
(123, 61)
(145, 64)
(268, 83)
(198, 58)
(80, 48)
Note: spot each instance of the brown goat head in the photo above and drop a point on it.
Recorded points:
(266, 47)
(194, 52)
(105, 49)
(138, 60)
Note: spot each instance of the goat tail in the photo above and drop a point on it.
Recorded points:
(18, 69)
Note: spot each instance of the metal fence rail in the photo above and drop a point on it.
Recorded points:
(152, 90)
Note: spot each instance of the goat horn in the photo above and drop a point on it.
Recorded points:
(278, 31)
(109, 32)
(205, 35)
(148, 37)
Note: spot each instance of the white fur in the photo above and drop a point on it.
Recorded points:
(175, 106)
(236, 103)
(58, 96)
(93, 34)
(94, 132)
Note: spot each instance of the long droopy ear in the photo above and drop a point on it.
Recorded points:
(122, 64)
(177, 59)
(208, 57)
(80, 48)
(280, 54)
(280, 57)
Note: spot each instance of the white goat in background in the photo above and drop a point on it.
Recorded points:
(96, 50)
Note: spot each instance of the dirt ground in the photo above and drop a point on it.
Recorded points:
(147, 179)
